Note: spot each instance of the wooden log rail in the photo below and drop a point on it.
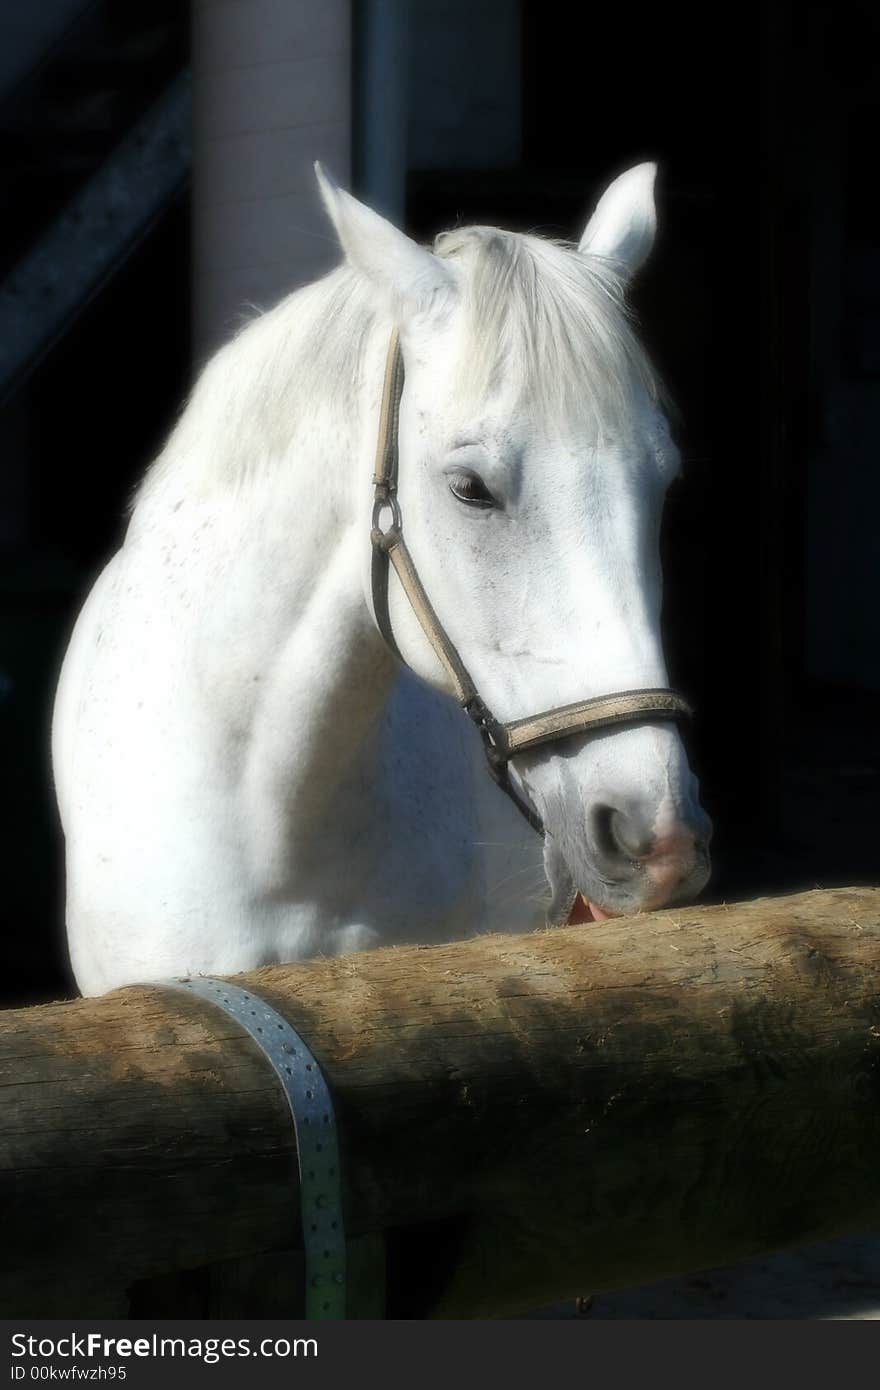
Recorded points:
(532, 1116)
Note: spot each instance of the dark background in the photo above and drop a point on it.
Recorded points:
(761, 305)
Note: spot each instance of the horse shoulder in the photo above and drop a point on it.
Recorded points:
(73, 679)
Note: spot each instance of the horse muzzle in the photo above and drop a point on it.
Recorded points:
(630, 859)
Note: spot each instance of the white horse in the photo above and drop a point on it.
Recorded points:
(245, 772)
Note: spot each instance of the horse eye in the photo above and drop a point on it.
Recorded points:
(471, 490)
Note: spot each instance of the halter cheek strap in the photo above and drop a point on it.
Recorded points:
(501, 742)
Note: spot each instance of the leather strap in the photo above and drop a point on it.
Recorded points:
(385, 468)
(421, 605)
(389, 545)
(385, 487)
(602, 712)
(501, 742)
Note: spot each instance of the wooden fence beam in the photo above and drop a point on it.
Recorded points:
(533, 1116)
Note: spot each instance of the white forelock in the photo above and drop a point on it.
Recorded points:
(551, 322)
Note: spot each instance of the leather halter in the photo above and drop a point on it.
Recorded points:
(501, 742)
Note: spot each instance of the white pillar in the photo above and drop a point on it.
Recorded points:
(272, 94)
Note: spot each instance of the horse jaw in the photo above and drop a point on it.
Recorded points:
(568, 907)
(563, 893)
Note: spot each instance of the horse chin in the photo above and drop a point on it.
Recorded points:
(568, 906)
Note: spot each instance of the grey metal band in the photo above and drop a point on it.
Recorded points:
(317, 1138)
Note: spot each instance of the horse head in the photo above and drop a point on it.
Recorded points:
(534, 456)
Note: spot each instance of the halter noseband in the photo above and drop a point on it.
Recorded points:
(501, 742)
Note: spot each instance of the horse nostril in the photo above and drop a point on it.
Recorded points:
(624, 837)
(644, 853)
(602, 827)
(632, 836)
(619, 835)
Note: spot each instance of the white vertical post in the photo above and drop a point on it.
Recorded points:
(272, 94)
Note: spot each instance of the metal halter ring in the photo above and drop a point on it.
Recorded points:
(385, 498)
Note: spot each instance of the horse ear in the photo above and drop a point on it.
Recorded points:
(412, 277)
(623, 226)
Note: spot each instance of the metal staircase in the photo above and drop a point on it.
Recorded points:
(94, 143)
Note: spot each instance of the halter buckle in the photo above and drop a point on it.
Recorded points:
(385, 499)
(492, 733)
(495, 746)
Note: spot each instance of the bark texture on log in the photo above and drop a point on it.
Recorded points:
(535, 1116)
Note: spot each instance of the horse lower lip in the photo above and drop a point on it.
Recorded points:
(584, 910)
(600, 914)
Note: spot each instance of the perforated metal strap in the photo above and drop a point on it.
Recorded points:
(317, 1139)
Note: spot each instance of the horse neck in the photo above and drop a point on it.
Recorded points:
(329, 678)
(290, 524)
(331, 672)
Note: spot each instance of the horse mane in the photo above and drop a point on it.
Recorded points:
(549, 320)
(552, 322)
(252, 395)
